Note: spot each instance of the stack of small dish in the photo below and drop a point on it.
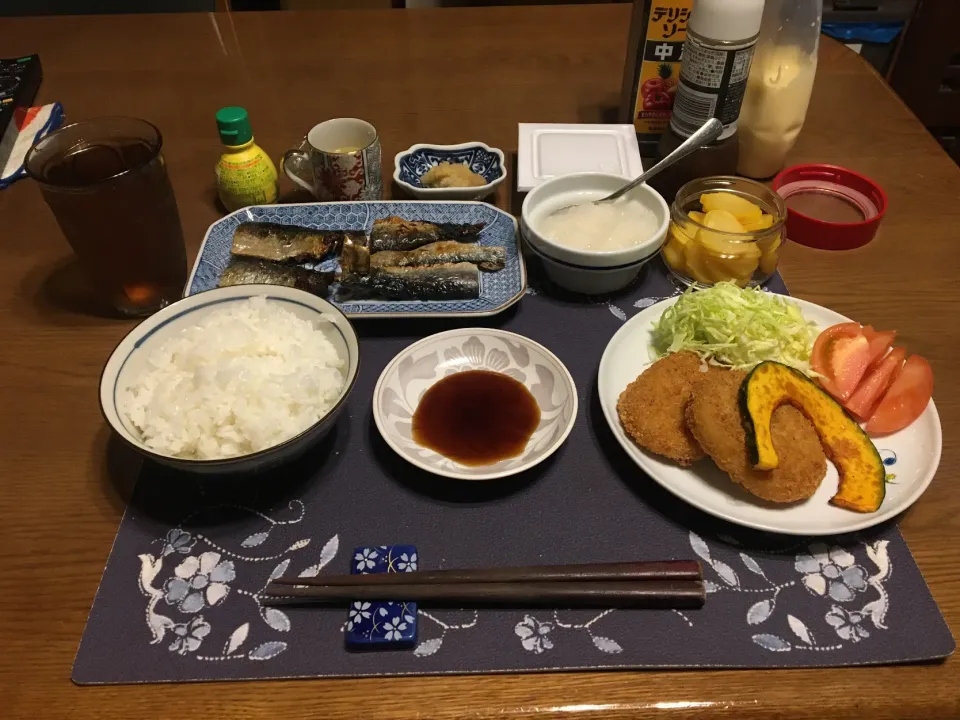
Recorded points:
(590, 271)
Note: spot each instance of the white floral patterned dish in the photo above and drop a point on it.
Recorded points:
(417, 367)
(911, 455)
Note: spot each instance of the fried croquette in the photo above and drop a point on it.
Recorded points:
(713, 416)
(651, 407)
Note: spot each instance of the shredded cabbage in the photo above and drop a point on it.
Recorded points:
(735, 327)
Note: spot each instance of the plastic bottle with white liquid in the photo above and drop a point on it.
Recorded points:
(779, 86)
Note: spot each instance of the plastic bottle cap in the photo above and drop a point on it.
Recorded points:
(830, 207)
(233, 124)
(727, 20)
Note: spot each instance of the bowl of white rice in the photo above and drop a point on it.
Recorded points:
(231, 380)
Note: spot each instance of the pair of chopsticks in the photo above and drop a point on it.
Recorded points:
(657, 584)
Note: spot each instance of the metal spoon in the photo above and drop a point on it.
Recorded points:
(707, 133)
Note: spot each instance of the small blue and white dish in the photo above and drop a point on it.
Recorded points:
(382, 624)
(413, 163)
(131, 355)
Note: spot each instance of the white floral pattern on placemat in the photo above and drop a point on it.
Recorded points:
(184, 580)
(830, 572)
(186, 586)
(826, 571)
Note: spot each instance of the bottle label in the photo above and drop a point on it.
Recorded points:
(660, 65)
(248, 181)
(712, 84)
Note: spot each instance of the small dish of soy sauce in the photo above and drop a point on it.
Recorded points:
(475, 403)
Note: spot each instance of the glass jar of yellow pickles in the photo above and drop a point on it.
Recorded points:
(725, 228)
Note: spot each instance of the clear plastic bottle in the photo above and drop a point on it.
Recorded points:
(779, 86)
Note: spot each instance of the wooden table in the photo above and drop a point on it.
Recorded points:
(439, 76)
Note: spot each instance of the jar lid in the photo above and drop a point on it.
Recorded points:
(830, 207)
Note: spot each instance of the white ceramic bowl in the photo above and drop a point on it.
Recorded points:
(411, 164)
(588, 271)
(417, 367)
(130, 355)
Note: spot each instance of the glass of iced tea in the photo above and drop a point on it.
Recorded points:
(106, 183)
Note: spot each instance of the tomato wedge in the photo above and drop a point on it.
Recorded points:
(841, 356)
(868, 393)
(880, 342)
(906, 399)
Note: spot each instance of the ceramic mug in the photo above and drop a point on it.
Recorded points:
(339, 159)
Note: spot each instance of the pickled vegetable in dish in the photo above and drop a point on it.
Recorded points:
(451, 175)
(706, 248)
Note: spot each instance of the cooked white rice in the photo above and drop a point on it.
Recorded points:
(244, 378)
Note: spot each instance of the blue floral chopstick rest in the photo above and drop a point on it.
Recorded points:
(379, 624)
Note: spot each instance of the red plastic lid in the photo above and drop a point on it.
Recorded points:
(830, 207)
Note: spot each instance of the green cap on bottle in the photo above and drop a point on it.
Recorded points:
(233, 123)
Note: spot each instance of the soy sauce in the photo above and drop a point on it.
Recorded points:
(476, 417)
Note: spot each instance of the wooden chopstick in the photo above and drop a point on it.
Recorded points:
(619, 594)
(661, 570)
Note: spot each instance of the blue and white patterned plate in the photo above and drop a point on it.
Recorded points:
(498, 290)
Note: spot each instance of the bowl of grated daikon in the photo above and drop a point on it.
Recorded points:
(590, 247)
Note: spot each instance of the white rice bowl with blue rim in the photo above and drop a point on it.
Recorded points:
(242, 378)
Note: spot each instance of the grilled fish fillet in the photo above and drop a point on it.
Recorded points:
(260, 272)
(284, 243)
(485, 257)
(394, 233)
(453, 281)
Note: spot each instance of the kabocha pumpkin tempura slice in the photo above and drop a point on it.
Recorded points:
(770, 385)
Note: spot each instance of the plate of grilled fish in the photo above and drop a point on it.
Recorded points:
(371, 259)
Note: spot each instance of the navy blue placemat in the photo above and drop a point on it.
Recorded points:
(180, 595)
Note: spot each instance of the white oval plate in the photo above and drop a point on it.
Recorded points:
(912, 454)
(417, 367)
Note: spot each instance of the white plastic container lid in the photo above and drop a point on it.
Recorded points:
(548, 150)
(727, 20)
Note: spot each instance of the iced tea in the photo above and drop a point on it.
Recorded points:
(106, 182)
